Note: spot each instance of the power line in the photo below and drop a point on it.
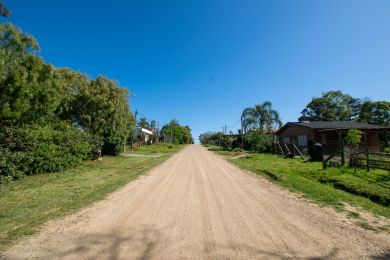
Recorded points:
(224, 127)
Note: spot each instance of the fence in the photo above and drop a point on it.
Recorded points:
(368, 160)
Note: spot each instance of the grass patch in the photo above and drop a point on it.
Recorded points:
(365, 225)
(353, 214)
(29, 202)
(333, 186)
(373, 185)
(157, 148)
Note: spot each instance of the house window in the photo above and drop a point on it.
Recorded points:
(302, 140)
(323, 138)
(286, 140)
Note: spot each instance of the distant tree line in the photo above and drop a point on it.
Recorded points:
(259, 122)
(175, 133)
(53, 118)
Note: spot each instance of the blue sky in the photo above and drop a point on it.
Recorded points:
(202, 62)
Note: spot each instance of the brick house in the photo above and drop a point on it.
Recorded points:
(330, 134)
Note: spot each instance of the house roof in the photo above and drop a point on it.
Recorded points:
(335, 125)
(144, 130)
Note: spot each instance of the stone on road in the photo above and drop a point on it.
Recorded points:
(198, 205)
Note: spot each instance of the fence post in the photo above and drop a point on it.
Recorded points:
(342, 151)
(367, 159)
(292, 148)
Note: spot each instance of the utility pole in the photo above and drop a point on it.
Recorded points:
(242, 132)
(171, 135)
(132, 133)
(158, 132)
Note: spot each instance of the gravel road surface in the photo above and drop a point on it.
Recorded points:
(196, 205)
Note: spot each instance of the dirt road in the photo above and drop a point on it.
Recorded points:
(197, 205)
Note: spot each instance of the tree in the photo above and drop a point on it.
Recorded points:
(51, 118)
(73, 84)
(153, 124)
(353, 138)
(331, 106)
(262, 117)
(377, 112)
(28, 86)
(143, 123)
(176, 133)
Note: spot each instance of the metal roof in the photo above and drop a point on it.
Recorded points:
(321, 125)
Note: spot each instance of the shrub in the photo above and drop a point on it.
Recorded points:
(227, 142)
(37, 149)
(8, 169)
(113, 143)
(354, 136)
(257, 141)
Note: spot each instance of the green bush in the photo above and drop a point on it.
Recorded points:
(227, 142)
(113, 144)
(238, 149)
(8, 169)
(37, 149)
(257, 141)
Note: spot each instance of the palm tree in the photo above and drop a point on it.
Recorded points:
(261, 117)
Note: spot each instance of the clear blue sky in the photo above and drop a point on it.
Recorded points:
(202, 62)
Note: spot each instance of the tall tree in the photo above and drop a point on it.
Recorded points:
(332, 106)
(28, 86)
(261, 116)
(377, 112)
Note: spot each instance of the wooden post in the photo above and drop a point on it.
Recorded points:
(367, 158)
(341, 141)
(323, 163)
(292, 147)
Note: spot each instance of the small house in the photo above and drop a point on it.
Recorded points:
(144, 136)
(330, 134)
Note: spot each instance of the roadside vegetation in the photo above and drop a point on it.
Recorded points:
(29, 202)
(51, 119)
(175, 133)
(337, 187)
(340, 187)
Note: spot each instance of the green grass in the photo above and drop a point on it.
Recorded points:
(333, 186)
(157, 148)
(352, 214)
(364, 224)
(27, 203)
